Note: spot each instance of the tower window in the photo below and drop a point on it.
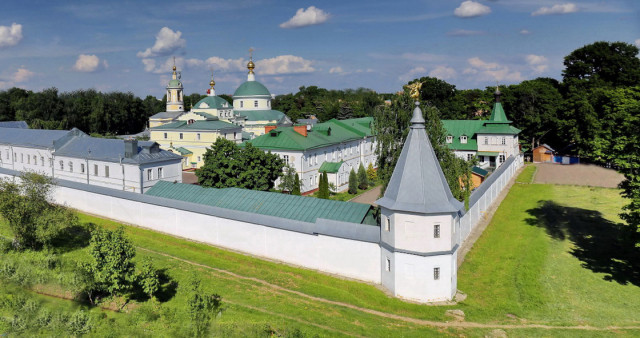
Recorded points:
(388, 265)
(387, 224)
(241, 104)
(436, 231)
(436, 273)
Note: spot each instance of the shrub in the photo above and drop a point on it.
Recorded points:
(79, 323)
(353, 182)
(363, 181)
(372, 174)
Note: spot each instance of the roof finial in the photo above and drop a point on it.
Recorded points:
(251, 65)
(174, 64)
(212, 83)
(417, 121)
(497, 93)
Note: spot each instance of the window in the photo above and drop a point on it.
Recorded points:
(181, 136)
(286, 159)
(504, 140)
(469, 157)
(255, 104)
(21, 158)
(501, 157)
(449, 139)
(35, 160)
(165, 136)
(160, 173)
(149, 174)
(436, 273)
(28, 159)
(387, 224)
(486, 140)
(82, 168)
(70, 166)
(198, 136)
(234, 135)
(106, 171)
(436, 231)
(61, 165)
(42, 161)
(241, 104)
(269, 104)
(198, 158)
(463, 139)
(95, 170)
(388, 265)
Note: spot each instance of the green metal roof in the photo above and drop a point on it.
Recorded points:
(498, 129)
(497, 114)
(479, 171)
(321, 135)
(457, 128)
(261, 115)
(214, 102)
(251, 88)
(183, 151)
(330, 167)
(197, 125)
(488, 153)
(173, 83)
(300, 208)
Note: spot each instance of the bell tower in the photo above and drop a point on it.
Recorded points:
(175, 94)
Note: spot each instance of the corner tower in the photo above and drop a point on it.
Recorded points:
(419, 224)
(175, 95)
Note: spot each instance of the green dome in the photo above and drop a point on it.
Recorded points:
(213, 102)
(252, 88)
(174, 83)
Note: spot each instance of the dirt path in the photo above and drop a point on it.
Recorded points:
(578, 174)
(368, 197)
(280, 289)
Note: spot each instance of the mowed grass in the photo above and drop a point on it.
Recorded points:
(550, 256)
(528, 174)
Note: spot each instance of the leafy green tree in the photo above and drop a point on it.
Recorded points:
(288, 179)
(228, 165)
(363, 181)
(34, 221)
(296, 186)
(112, 260)
(346, 112)
(202, 307)
(148, 278)
(323, 186)
(372, 175)
(603, 63)
(353, 182)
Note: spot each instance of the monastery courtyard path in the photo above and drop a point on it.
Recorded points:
(577, 174)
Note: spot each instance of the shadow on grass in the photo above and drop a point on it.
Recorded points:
(601, 245)
(167, 289)
(74, 237)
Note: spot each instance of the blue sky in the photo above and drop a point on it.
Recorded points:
(128, 45)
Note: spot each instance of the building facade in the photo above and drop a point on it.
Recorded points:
(127, 165)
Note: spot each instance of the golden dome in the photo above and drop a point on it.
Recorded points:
(212, 83)
(251, 66)
(174, 68)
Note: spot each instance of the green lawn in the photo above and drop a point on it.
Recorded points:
(543, 259)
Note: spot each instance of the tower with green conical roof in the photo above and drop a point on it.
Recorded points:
(175, 92)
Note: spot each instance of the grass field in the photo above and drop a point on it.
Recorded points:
(548, 257)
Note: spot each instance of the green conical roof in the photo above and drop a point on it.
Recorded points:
(498, 115)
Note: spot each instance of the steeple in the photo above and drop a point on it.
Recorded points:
(251, 66)
(175, 96)
(497, 113)
(418, 184)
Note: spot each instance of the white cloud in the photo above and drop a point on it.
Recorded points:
(284, 64)
(525, 32)
(412, 74)
(10, 35)
(22, 75)
(336, 70)
(308, 17)
(485, 71)
(218, 64)
(637, 43)
(167, 42)
(89, 63)
(470, 9)
(464, 32)
(556, 9)
(538, 63)
(443, 73)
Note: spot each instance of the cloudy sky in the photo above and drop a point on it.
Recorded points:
(129, 46)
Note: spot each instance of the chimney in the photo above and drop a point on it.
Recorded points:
(301, 129)
(130, 148)
(267, 129)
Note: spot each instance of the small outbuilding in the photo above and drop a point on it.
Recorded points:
(543, 153)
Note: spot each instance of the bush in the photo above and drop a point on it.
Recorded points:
(372, 174)
(353, 182)
(363, 181)
(79, 323)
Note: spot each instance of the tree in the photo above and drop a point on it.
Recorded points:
(201, 307)
(288, 179)
(148, 278)
(363, 181)
(353, 182)
(112, 260)
(603, 63)
(296, 186)
(228, 165)
(34, 221)
(323, 186)
(372, 175)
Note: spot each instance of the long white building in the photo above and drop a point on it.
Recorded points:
(72, 155)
